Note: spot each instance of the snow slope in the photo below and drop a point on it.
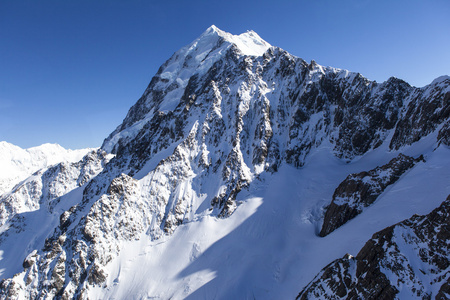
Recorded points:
(269, 248)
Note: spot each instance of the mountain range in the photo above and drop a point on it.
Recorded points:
(16, 164)
(244, 172)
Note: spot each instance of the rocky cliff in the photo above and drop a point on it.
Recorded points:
(404, 261)
(360, 190)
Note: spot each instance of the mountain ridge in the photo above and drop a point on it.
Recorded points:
(225, 152)
(17, 164)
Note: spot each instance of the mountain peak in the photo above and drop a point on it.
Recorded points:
(213, 29)
(249, 43)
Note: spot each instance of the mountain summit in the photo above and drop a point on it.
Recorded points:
(241, 172)
(192, 60)
(249, 43)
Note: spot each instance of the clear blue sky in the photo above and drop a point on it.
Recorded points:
(70, 70)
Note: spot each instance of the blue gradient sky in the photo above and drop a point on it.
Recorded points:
(70, 70)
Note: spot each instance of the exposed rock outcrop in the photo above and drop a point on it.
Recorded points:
(444, 134)
(360, 190)
(412, 256)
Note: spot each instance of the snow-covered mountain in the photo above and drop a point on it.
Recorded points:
(16, 164)
(241, 172)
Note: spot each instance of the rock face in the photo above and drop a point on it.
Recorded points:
(422, 115)
(412, 257)
(360, 190)
(218, 114)
(444, 134)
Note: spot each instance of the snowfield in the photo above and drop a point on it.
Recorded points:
(269, 248)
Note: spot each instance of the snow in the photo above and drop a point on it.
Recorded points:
(249, 43)
(199, 56)
(16, 247)
(53, 191)
(269, 247)
(129, 132)
(16, 163)
(440, 80)
(195, 58)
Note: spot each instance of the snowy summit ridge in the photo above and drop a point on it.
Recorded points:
(173, 76)
(241, 173)
(249, 43)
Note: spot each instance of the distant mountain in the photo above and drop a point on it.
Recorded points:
(16, 164)
(241, 172)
